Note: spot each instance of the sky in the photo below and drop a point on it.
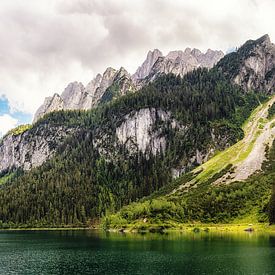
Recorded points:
(47, 44)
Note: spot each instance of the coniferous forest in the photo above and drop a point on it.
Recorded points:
(80, 185)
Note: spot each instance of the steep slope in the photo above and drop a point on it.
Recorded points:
(77, 97)
(131, 145)
(221, 190)
(252, 66)
(33, 146)
(180, 63)
(146, 67)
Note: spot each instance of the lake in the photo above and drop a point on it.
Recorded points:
(96, 252)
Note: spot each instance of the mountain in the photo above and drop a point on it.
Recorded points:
(145, 69)
(33, 146)
(177, 140)
(126, 150)
(252, 66)
(182, 62)
(228, 188)
(117, 83)
(77, 97)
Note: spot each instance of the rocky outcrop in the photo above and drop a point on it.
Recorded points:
(106, 81)
(137, 131)
(121, 85)
(77, 97)
(50, 104)
(114, 83)
(31, 148)
(182, 62)
(144, 70)
(252, 66)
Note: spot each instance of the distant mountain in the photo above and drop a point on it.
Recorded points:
(144, 70)
(179, 63)
(252, 66)
(115, 83)
(77, 97)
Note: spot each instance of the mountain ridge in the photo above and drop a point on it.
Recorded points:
(177, 62)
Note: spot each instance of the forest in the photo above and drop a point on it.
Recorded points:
(206, 203)
(80, 185)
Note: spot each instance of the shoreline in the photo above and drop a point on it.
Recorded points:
(189, 228)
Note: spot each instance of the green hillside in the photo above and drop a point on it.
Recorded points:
(200, 198)
(80, 185)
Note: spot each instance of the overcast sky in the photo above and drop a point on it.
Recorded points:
(45, 44)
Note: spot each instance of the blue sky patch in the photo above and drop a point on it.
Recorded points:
(23, 118)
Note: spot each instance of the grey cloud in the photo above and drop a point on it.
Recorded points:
(43, 47)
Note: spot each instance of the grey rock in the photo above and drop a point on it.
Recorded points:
(144, 70)
(136, 132)
(77, 97)
(252, 66)
(258, 69)
(182, 62)
(106, 82)
(54, 103)
(31, 148)
(73, 96)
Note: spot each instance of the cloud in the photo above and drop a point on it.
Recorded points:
(46, 44)
(7, 122)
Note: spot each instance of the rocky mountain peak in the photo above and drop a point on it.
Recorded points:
(187, 51)
(195, 52)
(120, 82)
(122, 72)
(51, 103)
(94, 84)
(265, 39)
(144, 70)
(72, 95)
(181, 62)
(173, 55)
(252, 66)
(108, 77)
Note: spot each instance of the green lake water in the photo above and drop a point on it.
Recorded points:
(94, 252)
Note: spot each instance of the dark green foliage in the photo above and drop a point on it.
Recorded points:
(271, 167)
(208, 203)
(78, 185)
(271, 209)
(110, 94)
(271, 111)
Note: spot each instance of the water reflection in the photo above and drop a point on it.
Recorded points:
(97, 252)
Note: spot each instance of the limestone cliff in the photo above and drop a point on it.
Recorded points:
(252, 66)
(32, 147)
(144, 70)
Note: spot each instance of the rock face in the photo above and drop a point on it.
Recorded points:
(182, 62)
(50, 104)
(136, 132)
(31, 148)
(144, 70)
(114, 83)
(122, 84)
(252, 66)
(77, 97)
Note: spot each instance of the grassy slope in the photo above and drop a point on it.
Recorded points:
(154, 211)
(239, 151)
(5, 178)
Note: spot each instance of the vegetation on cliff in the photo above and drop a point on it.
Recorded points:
(81, 185)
